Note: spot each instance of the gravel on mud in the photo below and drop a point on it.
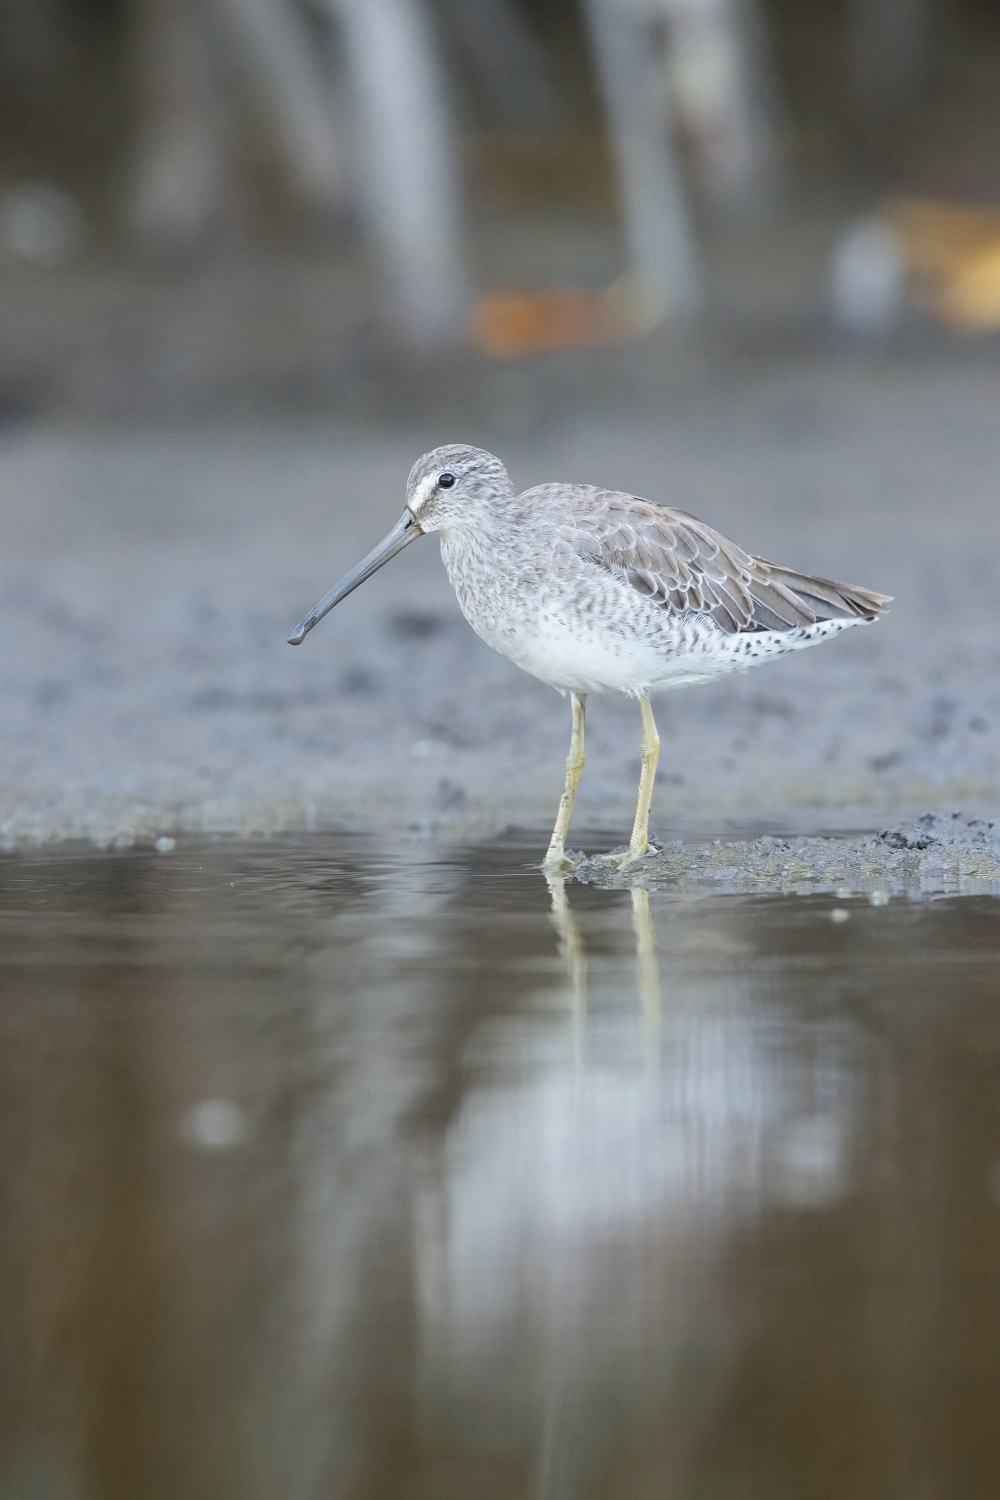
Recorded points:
(943, 853)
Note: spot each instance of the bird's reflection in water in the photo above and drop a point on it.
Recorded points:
(335, 1172)
(573, 953)
(587, 1184)
(648, 971)
(574, 959)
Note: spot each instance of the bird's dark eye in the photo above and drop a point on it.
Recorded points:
(446, 481)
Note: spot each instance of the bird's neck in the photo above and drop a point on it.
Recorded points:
(486, 536)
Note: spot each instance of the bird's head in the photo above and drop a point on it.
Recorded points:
(454, 486)
(448, 489)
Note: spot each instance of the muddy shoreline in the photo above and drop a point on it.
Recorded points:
(944, 853)
(149, 578)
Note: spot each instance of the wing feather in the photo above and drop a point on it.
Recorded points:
(686, 567)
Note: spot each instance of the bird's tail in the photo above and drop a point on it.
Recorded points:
(823, 598)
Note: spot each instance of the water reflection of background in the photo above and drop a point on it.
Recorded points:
(468, 1237)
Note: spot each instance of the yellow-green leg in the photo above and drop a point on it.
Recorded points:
(649, 750)
(574, 770)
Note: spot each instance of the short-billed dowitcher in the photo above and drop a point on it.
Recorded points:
(595, 591)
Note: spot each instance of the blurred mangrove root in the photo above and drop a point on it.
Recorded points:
(181, 168)
(724, 96)
(280, 59)
(409, 178)
(182, 175)
(409, 164)
(700, 65)
(658, 222)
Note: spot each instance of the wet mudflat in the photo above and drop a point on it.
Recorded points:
(336, 1167)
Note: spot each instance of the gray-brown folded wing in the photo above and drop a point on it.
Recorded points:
(686, 567)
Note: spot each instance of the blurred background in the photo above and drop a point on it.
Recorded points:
(222, 204)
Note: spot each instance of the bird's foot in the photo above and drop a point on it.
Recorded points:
(631, 854)
(564, 863)
(623, 859)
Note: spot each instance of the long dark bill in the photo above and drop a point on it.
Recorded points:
(405, 531)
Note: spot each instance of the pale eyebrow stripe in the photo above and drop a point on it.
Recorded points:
(424, 490)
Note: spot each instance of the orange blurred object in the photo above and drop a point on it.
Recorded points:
(507, 325)
(952, 254)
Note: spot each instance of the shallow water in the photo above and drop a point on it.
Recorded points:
(333, 1168)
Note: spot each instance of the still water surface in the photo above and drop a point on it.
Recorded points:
(334, 1169)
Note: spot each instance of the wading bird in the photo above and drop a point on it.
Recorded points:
(597, 591)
